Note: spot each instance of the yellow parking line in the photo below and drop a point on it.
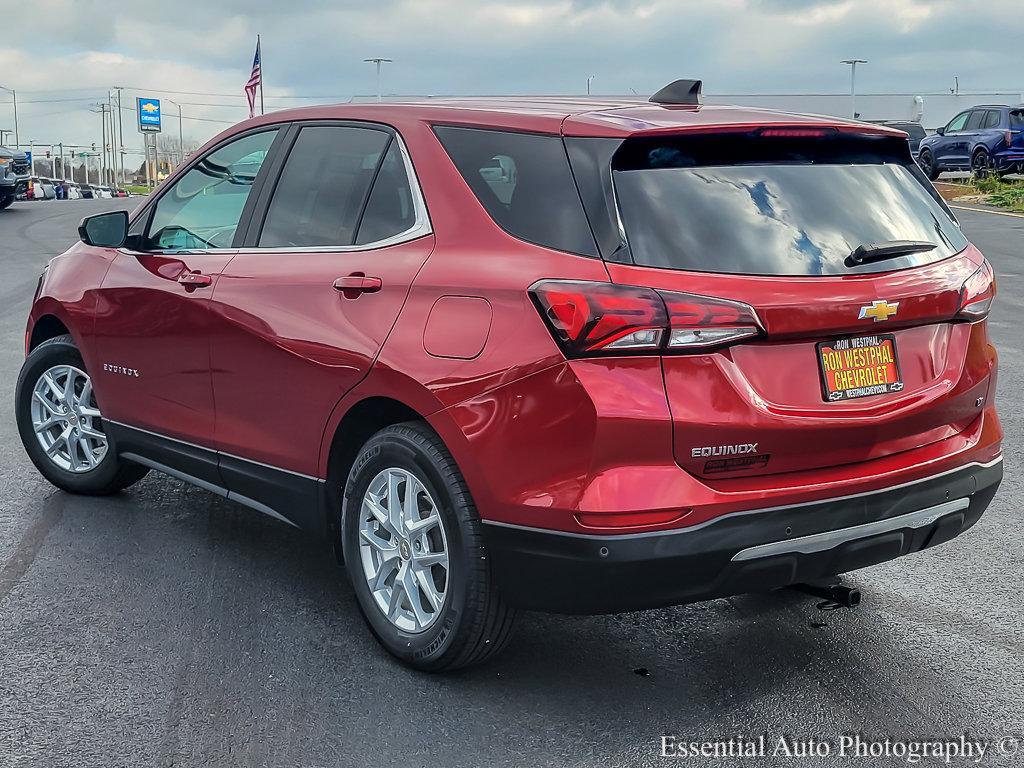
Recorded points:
(986, 210)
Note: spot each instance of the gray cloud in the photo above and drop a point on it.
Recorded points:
(316, 47)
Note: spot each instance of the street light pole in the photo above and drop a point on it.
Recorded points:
(378, 61)
(589, 81)
(853, 83)
(181, 134)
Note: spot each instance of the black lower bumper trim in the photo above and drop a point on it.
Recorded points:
(738, 553)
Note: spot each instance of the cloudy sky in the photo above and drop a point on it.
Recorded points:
(198, 52)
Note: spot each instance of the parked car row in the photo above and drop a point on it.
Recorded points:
(40, 188)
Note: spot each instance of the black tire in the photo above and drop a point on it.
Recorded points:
(927, 163)
(6, 201)
(981, 163)
(473, 623)
(112, 473)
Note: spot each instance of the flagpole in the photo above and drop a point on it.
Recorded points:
(258, 48)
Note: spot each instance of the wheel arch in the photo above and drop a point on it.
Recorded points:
(360, 422)
(47, 326)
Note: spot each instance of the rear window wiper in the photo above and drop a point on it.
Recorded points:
(888, 249)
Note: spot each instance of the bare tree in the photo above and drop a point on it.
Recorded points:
(171, 149)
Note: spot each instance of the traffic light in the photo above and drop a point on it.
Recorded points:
(47, 154)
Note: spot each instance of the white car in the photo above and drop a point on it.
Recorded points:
(74, 192)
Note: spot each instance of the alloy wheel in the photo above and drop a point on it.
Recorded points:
(66, 420)
(403, 549)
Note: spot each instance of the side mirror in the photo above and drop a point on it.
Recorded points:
(941, 131)
(104, 230)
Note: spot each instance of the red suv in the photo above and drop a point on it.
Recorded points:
(574, 356)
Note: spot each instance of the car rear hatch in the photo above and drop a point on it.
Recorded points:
(1015, 136)
(816, 291)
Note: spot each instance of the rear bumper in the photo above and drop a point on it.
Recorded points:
(1009, 160)
(750, 551)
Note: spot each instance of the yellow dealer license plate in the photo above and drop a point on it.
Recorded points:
(859, 366)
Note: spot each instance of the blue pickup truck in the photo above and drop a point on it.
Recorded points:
(988, 138)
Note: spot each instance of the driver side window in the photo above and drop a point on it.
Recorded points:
(203, 208)
(957, 123)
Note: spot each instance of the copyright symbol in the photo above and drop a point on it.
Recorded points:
(1009, 745)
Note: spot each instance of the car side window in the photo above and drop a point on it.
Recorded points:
(203, 208)
(992, 119)
(524, 182)
(324, 186)
(975, 120)
(389, 210)
(957, 123)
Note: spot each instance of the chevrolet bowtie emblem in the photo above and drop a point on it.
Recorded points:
(878, 310)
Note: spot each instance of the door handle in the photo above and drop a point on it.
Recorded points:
(355, 284)
(195, 280)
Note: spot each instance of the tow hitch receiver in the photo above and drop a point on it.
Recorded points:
(837, 593)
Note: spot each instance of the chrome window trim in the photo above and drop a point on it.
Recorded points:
(421, 224)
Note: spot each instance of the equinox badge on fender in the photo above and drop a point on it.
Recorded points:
(878, 310)
(723, 450)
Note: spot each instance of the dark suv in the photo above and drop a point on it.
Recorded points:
(14, 175)
(983, 139)
(568, 355)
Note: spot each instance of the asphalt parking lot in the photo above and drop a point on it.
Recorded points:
(166, 626)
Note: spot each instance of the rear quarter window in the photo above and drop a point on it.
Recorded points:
(525, 184)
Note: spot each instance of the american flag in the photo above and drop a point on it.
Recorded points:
(255, 81)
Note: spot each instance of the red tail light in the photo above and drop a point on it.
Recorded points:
(603, 318)
(977, 294)
(698, 322)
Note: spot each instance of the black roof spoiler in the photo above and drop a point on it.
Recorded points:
(680, 92)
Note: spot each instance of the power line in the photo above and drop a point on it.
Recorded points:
(103, 89)
(188, 117)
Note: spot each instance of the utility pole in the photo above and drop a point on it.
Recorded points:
(853, 83)
(113, 140)
(103, 145)
(14, 97)
(378, 61)
(32, 151)
(120, 132)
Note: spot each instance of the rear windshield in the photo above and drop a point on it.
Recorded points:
(1017, 119)
(775, 206)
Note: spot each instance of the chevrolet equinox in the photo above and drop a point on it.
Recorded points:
(566, 355)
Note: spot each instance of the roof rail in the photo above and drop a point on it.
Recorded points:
(680, 92)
